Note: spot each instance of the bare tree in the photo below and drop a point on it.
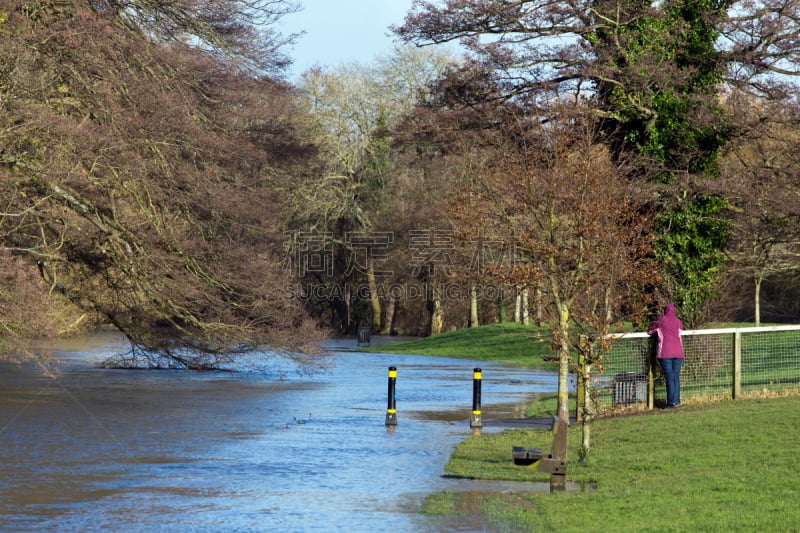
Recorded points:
(348, 195)
(139, 176)
(242, 31)
(655, 72)
(763, 194)
(580, 227)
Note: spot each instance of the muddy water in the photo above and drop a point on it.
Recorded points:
(265, 448)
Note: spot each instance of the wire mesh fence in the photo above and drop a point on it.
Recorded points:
(718, 363)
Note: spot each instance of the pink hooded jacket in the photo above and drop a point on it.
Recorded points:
(668, 327)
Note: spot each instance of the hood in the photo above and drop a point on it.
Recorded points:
(669, 310)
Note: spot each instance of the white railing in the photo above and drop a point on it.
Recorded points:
(724, 363)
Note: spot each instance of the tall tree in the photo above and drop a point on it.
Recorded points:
(347, 198)
(135, 172)
(579, 226)
(762, 195)
(655, 71)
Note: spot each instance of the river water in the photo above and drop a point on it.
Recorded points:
(264, 448)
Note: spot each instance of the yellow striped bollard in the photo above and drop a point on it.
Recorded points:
(475, 420)
(391, 410)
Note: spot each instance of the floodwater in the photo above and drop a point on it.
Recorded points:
(264, 448)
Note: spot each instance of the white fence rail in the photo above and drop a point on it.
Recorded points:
(719, 363)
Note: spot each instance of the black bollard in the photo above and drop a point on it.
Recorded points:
(475, 420)
(391, 411)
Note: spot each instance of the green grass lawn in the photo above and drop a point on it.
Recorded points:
(724, 466)
(506, 343)
(728, 466)
(502, 343)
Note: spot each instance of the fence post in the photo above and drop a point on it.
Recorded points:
(651, 377)
(737, 363)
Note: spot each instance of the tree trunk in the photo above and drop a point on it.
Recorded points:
(525, 313)
(539, 305)
(375, 301)
(757, 296)
(501, 306)
(563, 363)
(388, 324)
(437, 313)
(473, 306)
(563, 383)
(588, 412)
(348, 308)
(518, 305)
(586, 437)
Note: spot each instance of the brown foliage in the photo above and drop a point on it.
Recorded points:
(137, 175)
(579, 225)
(23, 305)
(762, 193)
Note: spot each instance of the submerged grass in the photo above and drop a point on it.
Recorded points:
(729, 466)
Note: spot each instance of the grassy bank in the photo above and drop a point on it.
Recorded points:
(727, 466)
(730, 466)
(507, 343)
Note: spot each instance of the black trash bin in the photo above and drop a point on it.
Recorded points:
(629, 388)
(363, 335)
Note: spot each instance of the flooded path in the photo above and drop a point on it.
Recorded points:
(261, 449)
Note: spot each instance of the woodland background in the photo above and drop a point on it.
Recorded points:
(574, 164)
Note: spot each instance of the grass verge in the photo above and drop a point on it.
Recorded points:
(728, 466)
(507, 343)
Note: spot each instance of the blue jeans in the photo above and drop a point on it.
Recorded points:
(671, 367)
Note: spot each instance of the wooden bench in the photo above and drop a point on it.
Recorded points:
(554, 463)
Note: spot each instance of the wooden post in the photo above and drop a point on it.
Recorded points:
(737, 363)
(558, 477)
(651, 375)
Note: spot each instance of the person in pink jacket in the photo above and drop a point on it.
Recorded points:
(669, 351)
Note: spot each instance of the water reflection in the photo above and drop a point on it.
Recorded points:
(263, 449)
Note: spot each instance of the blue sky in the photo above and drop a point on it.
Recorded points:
(340, 31)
